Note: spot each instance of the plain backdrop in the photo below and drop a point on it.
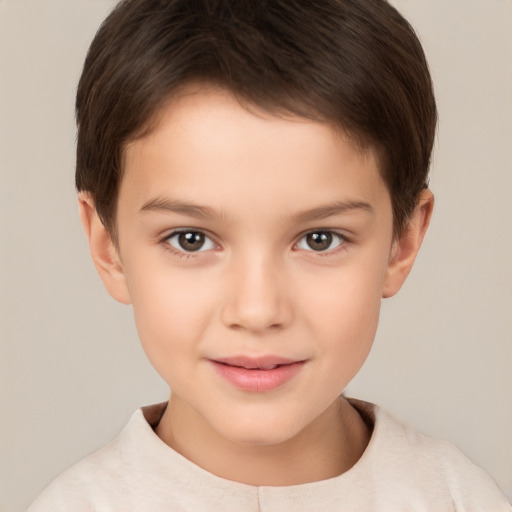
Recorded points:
(71, 368)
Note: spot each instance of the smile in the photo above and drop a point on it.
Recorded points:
(257, 374)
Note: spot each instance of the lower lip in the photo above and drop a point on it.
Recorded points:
(258, 381)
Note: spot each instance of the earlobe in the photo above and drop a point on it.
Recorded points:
(406, 247)
(103, 250)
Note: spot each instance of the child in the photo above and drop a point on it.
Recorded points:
(252, 177)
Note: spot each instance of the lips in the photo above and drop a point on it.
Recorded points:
(256, 363)
(259, 374)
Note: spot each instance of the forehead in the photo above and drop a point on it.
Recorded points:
(204, 139)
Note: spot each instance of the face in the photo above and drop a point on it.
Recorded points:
(255, 251)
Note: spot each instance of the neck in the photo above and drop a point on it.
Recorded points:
(328, 447)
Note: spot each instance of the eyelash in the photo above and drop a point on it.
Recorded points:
(343, 241)
(183, 253)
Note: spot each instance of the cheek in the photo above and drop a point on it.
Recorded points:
(349, 322)
(345, 315)
(171, 311)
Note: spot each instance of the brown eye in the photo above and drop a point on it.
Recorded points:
(190, 241)
(320, 241)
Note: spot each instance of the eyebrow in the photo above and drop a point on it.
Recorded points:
(160, 204)
(337, 208)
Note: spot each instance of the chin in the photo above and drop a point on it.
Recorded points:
(260, 431)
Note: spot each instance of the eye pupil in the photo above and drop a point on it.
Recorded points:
(319, 241)
(191, 241)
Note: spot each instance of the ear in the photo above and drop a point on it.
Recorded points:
(406, 247)
(103, 250)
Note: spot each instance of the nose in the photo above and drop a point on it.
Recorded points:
(257, 297)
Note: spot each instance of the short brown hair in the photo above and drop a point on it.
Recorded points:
(355, 63)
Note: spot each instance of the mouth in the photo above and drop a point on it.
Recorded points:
(256, 363)
(258, 374)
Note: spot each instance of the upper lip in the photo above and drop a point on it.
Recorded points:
(268, 362)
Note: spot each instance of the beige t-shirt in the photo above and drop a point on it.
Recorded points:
(400, 470)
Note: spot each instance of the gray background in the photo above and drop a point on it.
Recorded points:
(71, 368)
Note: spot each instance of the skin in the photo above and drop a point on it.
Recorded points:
(256, 185)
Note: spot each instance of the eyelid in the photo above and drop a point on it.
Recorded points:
(175, 232)
(343, 240)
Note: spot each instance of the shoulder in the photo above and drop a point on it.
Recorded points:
(108, 475)
(408, 461)
(78, 487)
